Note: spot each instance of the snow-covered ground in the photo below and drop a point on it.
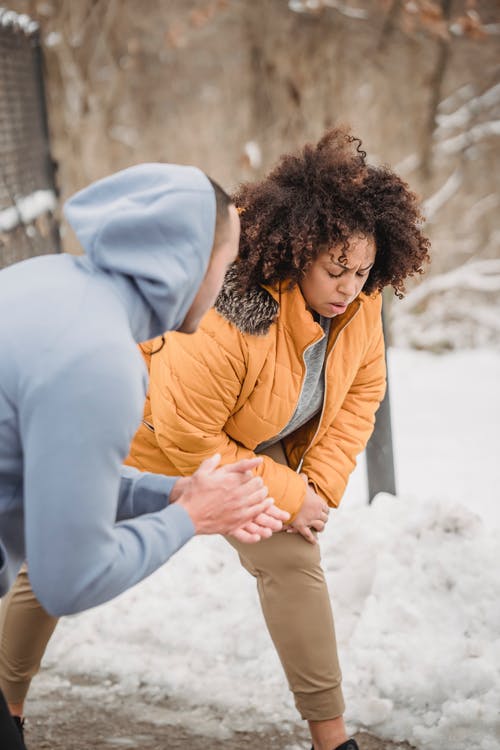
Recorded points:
(414, 581)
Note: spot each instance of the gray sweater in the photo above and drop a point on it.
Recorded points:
(313, 387)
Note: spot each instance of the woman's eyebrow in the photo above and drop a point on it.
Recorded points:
(346, 268)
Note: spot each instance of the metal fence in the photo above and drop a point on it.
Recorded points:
(28, 196)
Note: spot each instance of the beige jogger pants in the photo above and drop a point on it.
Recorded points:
(295, 603)
(25, 630)
(296, 607)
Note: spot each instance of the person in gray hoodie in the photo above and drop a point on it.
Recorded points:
(72, 386)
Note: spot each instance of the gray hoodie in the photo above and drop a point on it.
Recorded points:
(72, 386)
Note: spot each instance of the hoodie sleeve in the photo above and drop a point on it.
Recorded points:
(142, 492)
(76, 425)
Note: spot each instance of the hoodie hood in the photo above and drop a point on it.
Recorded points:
(153, 224)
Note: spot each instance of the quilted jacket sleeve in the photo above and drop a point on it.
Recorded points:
(329, 462)
(195, 382)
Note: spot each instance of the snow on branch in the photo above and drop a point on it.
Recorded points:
(477, 276)
(479, 209)
(311, 6)
(27, 209)
(492, 28)
(462, 116)
(432, 205)
(462, 94)
(454, 310)
(407, 165)
(443, 327)
(9, 19)
(470, 138)
(485, 317)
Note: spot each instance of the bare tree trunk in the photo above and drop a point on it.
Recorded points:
(436, 94)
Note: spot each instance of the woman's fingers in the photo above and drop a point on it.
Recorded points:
(318, 525)
(255, 528)
(308, 535)
(278, 513)
(250, 513)
(306, 532)
(271, 519)
(245, 536)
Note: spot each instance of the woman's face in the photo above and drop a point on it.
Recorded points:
(335, 279)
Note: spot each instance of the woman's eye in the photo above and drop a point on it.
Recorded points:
(363, 273)
(335, 275)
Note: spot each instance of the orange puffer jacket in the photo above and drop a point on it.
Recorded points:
(236, 382)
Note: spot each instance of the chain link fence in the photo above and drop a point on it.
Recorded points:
(28, 196)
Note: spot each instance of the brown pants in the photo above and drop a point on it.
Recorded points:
(295, 603)
(25, 630)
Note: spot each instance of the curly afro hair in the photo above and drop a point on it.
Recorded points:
(319, 199)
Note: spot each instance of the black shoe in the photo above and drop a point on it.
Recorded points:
(348, 745)
(20, 727)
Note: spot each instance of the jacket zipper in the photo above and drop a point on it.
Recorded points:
(299, 467)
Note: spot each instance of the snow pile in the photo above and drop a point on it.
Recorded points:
(415, 592)
(417, 599)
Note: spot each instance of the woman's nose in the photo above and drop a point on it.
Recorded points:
(347, 285)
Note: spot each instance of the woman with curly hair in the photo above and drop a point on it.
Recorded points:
(288, 364)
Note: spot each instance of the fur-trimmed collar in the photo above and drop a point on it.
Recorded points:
(253, 311)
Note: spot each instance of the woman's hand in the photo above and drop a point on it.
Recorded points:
(263, 526)
(312, 515)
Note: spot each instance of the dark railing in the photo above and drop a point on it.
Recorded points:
(379, 451)
(28, 195)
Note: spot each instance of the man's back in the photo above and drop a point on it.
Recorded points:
(65, 339)
(72, 385)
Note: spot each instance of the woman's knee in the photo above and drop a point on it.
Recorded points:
(284, 554)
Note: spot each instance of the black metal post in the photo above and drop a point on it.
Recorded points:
(379, 452)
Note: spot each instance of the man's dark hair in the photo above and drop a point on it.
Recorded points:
(222, 203)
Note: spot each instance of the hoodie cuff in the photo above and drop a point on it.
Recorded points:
(179, 524)
(152, 492)
(5, 578)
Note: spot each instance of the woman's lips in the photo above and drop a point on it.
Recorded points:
(337, 309)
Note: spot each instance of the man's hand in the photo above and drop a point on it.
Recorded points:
(220, 500)
(312, 515)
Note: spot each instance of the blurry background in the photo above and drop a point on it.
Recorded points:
(229, 85)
